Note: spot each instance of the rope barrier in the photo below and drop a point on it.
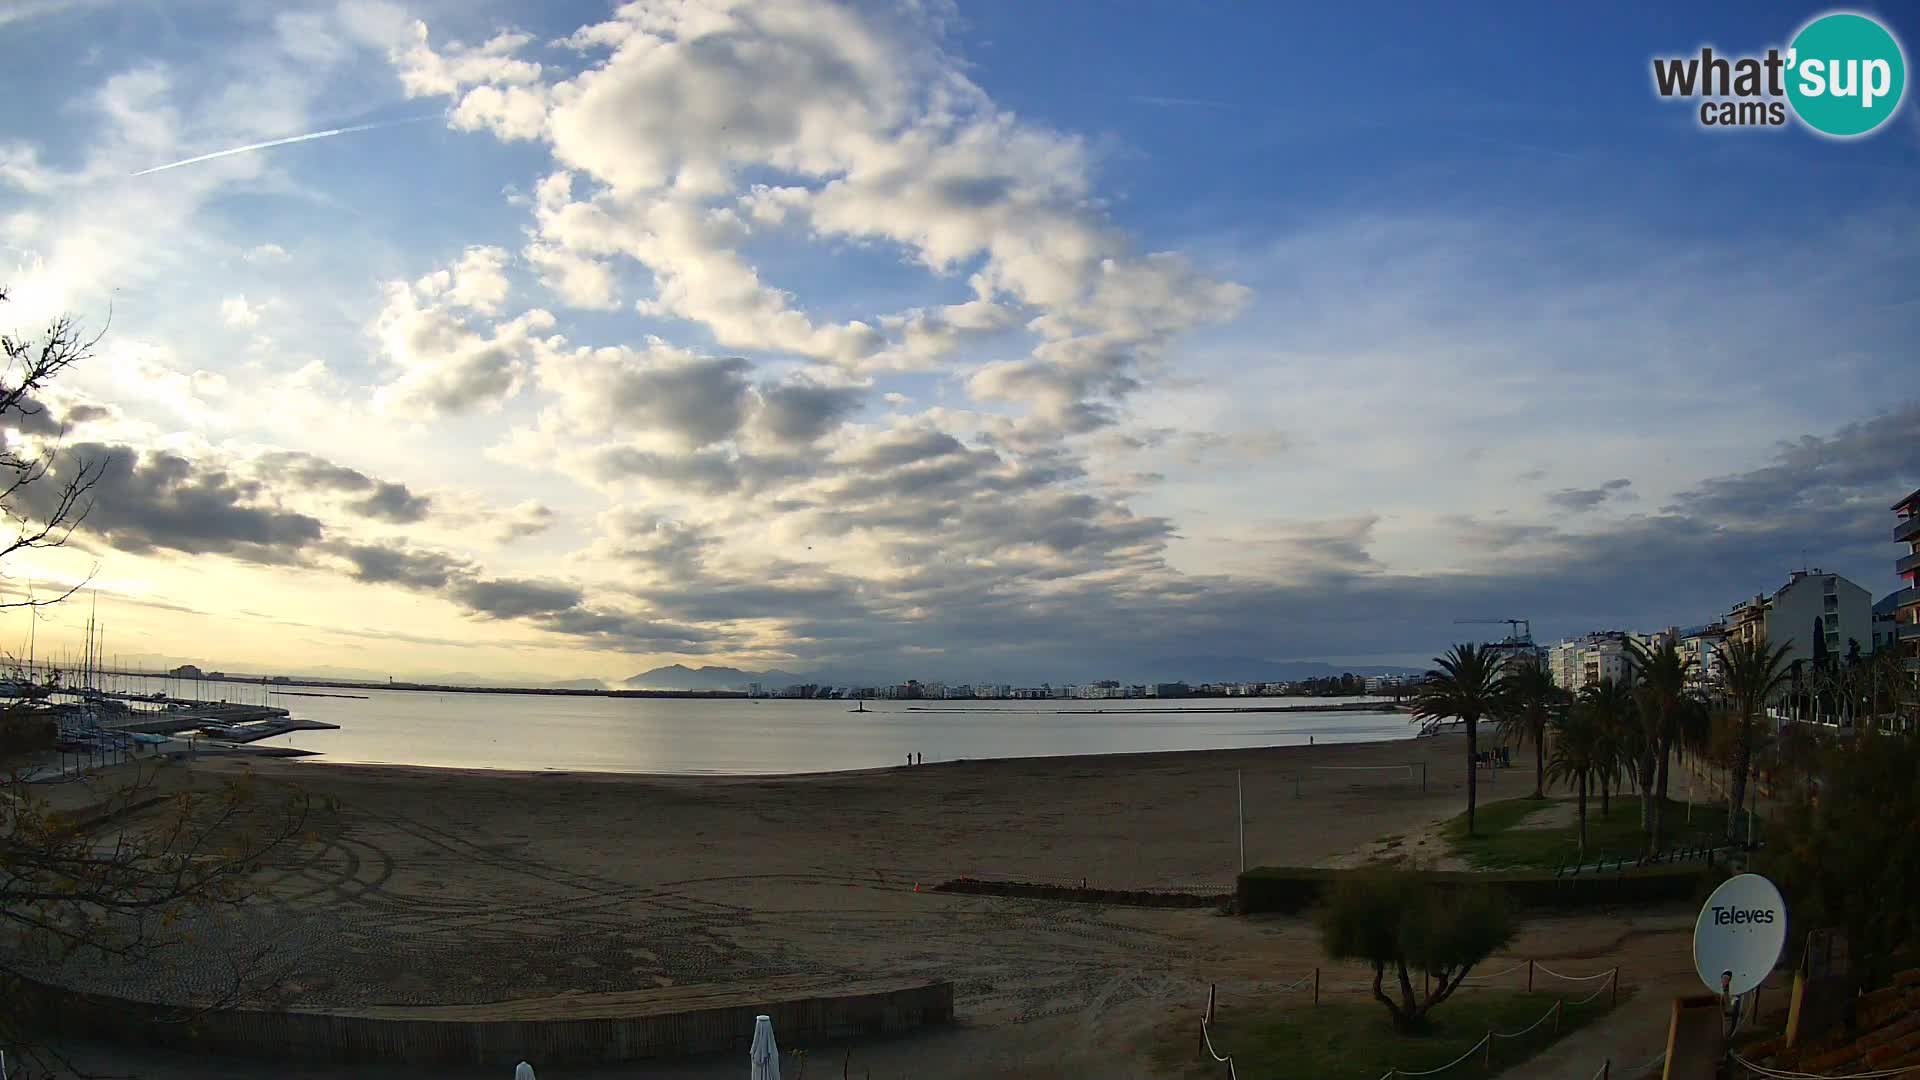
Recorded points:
(1502, 973)
(1571, 978)
(1475, 979)
(1529, 1027)
(1477, 1047)
(1601, 1071)
(1604, 987)
(1484, 1045)
(1648, 1064)
(1779, 1074)
(1206, 1039)
(1205, 1036)
(1303, 980)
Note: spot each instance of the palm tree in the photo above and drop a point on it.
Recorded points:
(1528, 701)
(1753, 676)
(1465, 684)
(1662, 671)
(1610, 703)
(1579, 756)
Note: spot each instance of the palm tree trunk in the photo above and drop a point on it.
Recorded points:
(1606, 794)
(1473, 768)
(1656, 840)
(1540, 762)
(1644, 780)
(1583, 817)
(1742, 762)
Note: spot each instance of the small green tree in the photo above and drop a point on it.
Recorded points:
(1397, 923)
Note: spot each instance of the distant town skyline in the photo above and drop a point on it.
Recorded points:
(1030, 343)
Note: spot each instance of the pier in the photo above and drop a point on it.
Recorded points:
(222, 721)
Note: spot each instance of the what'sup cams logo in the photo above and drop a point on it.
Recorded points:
(1843, 75)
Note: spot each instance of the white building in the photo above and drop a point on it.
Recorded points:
(1700, 647)
(1587, 660)
(1815, 606)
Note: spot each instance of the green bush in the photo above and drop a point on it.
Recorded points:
(1293, 889)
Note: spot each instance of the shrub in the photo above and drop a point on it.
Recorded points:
(1289, 889)
(1396, 922)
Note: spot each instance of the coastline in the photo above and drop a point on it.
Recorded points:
(1114, 759)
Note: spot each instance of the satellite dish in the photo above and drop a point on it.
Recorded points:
(1739, 935)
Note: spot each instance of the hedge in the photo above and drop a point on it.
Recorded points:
(1081, 894)
(1292, 889)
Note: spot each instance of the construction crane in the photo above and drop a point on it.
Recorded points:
(1518, 630)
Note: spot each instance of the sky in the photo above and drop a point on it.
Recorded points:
(983, 341)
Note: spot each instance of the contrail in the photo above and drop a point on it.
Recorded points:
(269, 144)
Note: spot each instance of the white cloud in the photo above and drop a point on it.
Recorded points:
(527, 519)
(446, 365)
(193, 396)
(238, 314)
(425, 71)
(477, 282)
(888, 141)
(266, 254)
(578, 281)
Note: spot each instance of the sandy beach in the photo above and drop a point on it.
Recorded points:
(433, 887)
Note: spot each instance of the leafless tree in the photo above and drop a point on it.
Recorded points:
(111, 870)
(31, 364)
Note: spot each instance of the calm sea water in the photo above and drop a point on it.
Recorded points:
(657, 735)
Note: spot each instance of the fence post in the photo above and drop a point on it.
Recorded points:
(1616, 987)
(1316, 986)
(1559, 1007)
(1488, 1041)
(1606, 1069)
(1529, 976)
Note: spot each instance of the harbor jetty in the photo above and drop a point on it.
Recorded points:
(222, 721)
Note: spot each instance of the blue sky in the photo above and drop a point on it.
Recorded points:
(1068, 336)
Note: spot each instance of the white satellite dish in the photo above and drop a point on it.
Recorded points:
(1740, 934)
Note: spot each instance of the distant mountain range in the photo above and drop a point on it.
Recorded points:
(681, 677)
(1189, 669)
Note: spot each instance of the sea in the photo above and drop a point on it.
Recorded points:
(733, 736)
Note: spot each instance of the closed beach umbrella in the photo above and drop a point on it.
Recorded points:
(523, 1071)
(765, 1056)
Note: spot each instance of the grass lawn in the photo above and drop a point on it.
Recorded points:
(1354, 1040)
(1503, 843)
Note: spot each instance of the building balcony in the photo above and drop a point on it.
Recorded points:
(1908, 529)
(1906, 598)
(1907, 565)
(1906, 632)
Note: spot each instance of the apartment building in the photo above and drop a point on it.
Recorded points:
(1586, 660)
(1700, 647)
(1906, 602)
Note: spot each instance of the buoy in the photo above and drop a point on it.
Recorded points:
(916, 886)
